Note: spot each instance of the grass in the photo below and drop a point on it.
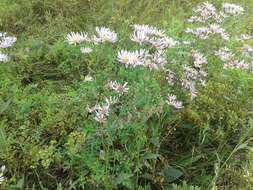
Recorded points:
(48, 140)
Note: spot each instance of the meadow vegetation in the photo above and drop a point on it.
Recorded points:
(126, 95)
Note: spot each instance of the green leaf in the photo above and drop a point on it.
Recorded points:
(171, 174)
(149, 155)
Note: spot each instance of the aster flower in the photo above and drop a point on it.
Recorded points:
(205, 32)
(86, 50)
(164, 42)
(247, 50)
(8, 41)
(140, 37)
(88, 78)
(3, 57)
(224, 54)
(171, 77)
(119, 88)
(102, 111)
(104, 35)
(172, 101)
(199, 59)
(204, 12)
(132, 59)
(229, 9)
(236, 64)
(190, 86)
(149, 30)
(216, 29)
(1, 174)
(243, 37)
(200, 32)
(159, 59)
(77, 38)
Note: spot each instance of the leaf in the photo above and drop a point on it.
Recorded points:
(4, 106)
(20, 183)
(171, 174)
(149, 155)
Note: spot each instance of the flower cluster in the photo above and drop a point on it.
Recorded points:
(172, 101)
(2, 169)
(5, 42)
(77, 38)
(224, 54)
(102, 111)
(206, 13)
(230, 62)
(103, 35)
(229, 9)
(145, 34)
(205, 32)
(195, 73)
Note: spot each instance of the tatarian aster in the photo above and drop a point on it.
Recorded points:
(86, 50)
(133, 58)
(77, 38)
(119, 88)
(172, 101)
(105, 35)
(3, 57)
(6, 42)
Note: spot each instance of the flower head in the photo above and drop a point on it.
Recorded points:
(1, 174)
(119, 88)
(105, 35)
(172, 101)
(8, 41)
(229, 9)
(132, 58)
(3, 57)
(86, 50)
(77, 38)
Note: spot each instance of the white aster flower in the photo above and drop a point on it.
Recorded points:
(140, 37)
(132, 59)
(237, 64)
(77, 38)
(216, 29)
(3, 57)
(159, 59)
(172, 101)
(102, 111)
(247, 50)
(2, 178)
(200, 32)
(119, 88)
(171, 77)
(88, 78)
(149, 30)
(8, 41)
(229, 9)
(199, 58)
(164, 42)
(243, 37)
(105, 35)
(224, 54)
(204, 12)
(85, 50)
